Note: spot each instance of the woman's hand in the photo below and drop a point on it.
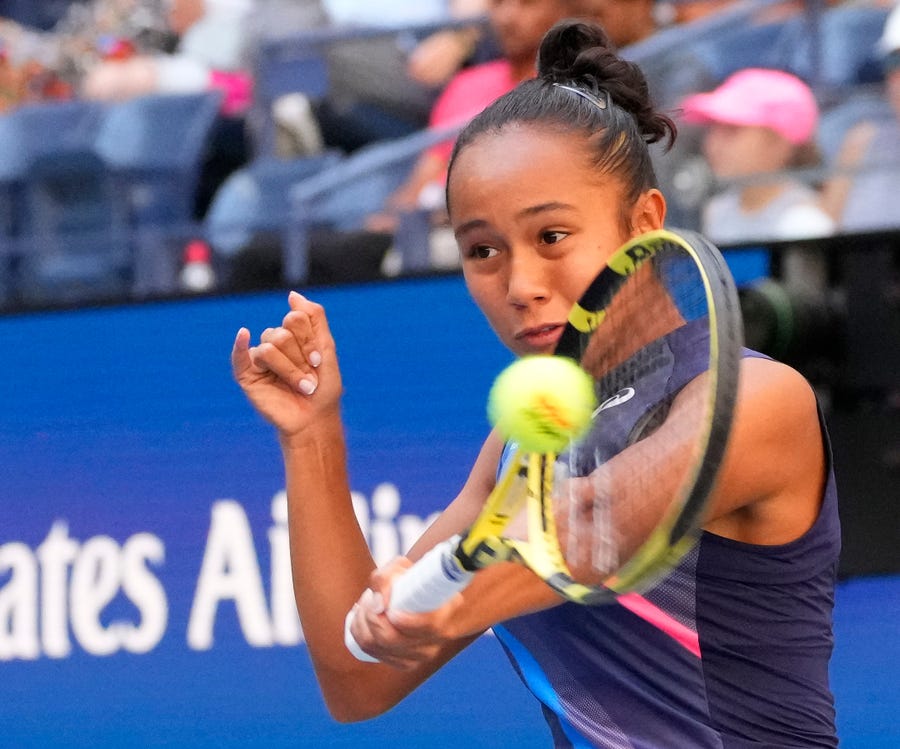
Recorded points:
(400, 639)
(291, 376)
(437, 58)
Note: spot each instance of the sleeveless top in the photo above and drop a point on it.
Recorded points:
(730, 650)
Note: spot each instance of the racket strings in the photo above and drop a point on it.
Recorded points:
(620, 486)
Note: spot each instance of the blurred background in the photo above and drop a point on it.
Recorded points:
(170, 168)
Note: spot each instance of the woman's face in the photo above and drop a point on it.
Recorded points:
(535, 222)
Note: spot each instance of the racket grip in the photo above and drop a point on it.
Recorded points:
(430, 582)
(426, 586)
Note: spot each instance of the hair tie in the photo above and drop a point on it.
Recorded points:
(592, 98)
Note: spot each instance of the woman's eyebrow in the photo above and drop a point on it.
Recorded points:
(532, 210)
(554, 205)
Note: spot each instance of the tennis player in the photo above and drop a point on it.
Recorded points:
(732, 648)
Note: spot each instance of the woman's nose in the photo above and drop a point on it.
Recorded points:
(527, 282)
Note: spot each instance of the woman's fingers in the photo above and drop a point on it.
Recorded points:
(293, 350)
(399, 639)
(240, 353)
(308, 323)
(382, 578)
(275, 355)
(377, 636)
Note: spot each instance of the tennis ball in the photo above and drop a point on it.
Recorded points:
(541, 402)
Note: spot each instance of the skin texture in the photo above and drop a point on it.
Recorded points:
(534, 223)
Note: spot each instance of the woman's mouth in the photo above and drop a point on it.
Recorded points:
(540, 337)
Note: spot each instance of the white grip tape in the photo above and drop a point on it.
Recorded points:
(425, 586)
(430, 582)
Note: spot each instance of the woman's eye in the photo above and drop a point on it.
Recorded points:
(552, 237)
(483, 252)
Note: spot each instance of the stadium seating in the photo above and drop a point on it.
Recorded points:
(27, 134)
(254, 201)
(73, 246)
(154, 146)
(342, 196)
(835, 49)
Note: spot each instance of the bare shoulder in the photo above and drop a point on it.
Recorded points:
(772, 481)
(776, 405)
(776, 383)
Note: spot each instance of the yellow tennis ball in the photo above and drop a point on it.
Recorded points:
(541, 402)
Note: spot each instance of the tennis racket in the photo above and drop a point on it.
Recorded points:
(660, 331)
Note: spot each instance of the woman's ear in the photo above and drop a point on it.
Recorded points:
(649, 212)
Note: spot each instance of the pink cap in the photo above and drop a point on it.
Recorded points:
(765, 98)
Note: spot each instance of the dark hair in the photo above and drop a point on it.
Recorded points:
(583, 85)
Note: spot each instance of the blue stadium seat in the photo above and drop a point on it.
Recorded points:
(745, 46)
(254, 200)
(284, 66)
(846, 52)
(73, 246)
(341, 197)
(27, 133)
(155, 146)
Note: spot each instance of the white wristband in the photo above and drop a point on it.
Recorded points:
(352, 644)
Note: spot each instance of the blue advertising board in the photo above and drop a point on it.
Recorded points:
(145, 597)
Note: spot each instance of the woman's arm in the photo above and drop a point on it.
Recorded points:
(769, 491)
(293, 380)
(771, 484)
(837, 188)
(495, 594)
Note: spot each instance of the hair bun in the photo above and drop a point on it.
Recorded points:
(580, 53)
(561, 49)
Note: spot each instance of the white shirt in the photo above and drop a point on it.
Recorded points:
(793, 214)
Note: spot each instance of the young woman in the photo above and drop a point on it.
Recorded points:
(543, 186)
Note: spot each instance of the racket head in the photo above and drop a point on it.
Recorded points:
(660, 331)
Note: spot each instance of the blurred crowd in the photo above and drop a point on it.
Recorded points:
(790, 112)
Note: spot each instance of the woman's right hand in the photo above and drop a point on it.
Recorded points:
(291, 376)
(400, 639)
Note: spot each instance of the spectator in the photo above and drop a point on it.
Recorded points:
(861, 194)
(28, 72)
(339, 254)
(625, 22)
(209, 55)
(384, 86)
(438, 57)
(518, 27)
(758, 124)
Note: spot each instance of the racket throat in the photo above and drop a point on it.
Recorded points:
(477, 553)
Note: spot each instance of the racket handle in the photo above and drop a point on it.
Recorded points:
(430, 582)
(426, 586)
